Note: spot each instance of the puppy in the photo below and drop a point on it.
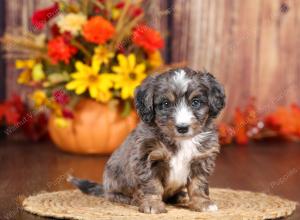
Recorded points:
(171, 153)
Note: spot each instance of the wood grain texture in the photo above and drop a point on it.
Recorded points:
(251, 46)
(2, 60)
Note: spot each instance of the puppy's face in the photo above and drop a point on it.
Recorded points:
(179, 102)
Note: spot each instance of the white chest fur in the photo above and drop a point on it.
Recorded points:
(180, 163)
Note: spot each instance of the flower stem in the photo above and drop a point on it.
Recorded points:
(122, 16)
(85, 6)
(126, 108)
(98, 4)
(82, 49)
(128, 27)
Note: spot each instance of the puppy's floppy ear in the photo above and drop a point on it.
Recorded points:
(143, 99)
(216, 95)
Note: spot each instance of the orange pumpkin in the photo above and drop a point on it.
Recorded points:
(96, 129)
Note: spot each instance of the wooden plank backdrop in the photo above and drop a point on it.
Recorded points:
(2, 53)
(252, 46)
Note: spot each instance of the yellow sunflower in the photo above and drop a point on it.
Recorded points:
(38, 73)
(88, 78)
(39, 98)
(25, 64)
(26, 75)
(102, 54)
(129, 75)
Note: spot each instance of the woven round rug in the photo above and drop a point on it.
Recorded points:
(233, 204)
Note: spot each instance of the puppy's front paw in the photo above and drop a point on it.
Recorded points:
(203, 206)
(152, 207)
(159, 155)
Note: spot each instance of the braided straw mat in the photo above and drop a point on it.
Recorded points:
(233, 205)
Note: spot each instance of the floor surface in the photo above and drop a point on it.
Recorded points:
(27, 168)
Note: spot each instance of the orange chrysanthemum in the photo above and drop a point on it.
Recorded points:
(98, 30)
(147, 38)
(60, 50)
(285, 120)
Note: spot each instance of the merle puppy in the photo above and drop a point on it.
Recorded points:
(171, 153)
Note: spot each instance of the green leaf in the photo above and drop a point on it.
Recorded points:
(126, 108)
(55, 78)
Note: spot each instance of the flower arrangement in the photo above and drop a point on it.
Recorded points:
(99, 49)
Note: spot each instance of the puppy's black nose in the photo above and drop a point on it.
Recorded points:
(182, 129)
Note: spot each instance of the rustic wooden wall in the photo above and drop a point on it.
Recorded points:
(252, 46)
(2, 53)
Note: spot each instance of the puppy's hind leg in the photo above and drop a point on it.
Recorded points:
(118, 197)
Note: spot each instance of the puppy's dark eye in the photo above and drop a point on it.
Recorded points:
(164, 104)
(196, 103)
